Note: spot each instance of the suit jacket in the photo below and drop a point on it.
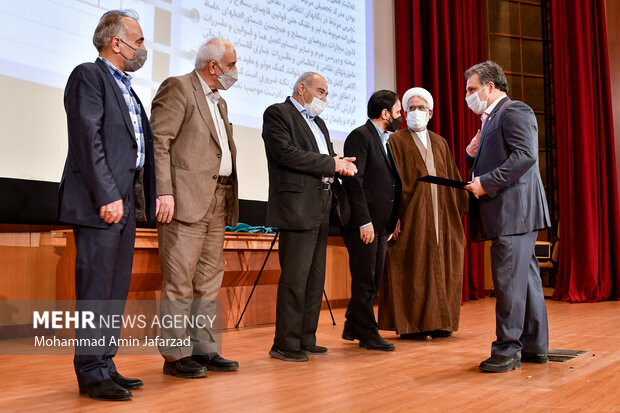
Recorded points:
(507, 164)
(295, 167)
(374, 193)
(187, 149)
(101, 159)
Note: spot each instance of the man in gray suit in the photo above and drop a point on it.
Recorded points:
(508, 208)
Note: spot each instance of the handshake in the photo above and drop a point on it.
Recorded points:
(345, 166)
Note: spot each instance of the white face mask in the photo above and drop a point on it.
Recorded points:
(417, 120)
(475, 104)
(316, 107)
(226, 79)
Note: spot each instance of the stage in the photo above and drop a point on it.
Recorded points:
(440, 375)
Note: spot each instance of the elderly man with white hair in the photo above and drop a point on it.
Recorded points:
(421, 291)
(197, 179)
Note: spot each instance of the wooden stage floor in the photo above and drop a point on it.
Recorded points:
(440, 375)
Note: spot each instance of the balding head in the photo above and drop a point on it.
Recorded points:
(213, 50)
(214, 58)
(308, 86)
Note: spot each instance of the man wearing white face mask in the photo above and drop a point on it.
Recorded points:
(421, 292)
(302, 167)
(195, 160)
(508, 208)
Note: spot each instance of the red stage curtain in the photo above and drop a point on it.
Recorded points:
(587, 189)
(436, 41)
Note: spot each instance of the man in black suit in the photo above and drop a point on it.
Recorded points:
(374, 196)
(302, 166)
(509, 208)
(108, 182)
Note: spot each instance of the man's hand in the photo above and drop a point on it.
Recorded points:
(394, 235)
(475, 187)
(345, 166)
(112, 212)
(166, 208)
(367, 234)
(472, 148)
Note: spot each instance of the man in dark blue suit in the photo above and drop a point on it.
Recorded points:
(508, 208)
(108, 182)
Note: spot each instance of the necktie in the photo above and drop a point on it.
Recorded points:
(484, 118)
(307, 115)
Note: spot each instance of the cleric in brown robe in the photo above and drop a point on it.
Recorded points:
(420, 296)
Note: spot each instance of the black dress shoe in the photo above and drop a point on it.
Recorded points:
(441, 333)
(185, 368)
(423, 336)
(215, 362)
(106, 390)
(500, 364)
(376, 342)
(349, 332)
(288, 355)
(314, 350)
(126, 382)
(534, 358)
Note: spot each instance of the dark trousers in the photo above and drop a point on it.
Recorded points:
(300, 289)
(102, 273)
(366, 262)
(521, 314)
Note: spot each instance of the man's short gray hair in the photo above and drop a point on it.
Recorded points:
(212, 49)
(111, 25)
(305, 79)
(489, 72)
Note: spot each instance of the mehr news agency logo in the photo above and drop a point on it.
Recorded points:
(89, 320)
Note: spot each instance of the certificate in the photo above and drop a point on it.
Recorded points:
(443, 181)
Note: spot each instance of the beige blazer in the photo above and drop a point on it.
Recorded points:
(187, 150)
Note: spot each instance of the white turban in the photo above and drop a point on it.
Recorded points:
(420, 92)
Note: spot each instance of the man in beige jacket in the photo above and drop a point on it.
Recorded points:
(197, 182)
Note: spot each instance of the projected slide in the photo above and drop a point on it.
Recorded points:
(276, 40)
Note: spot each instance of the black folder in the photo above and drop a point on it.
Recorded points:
(443, 181)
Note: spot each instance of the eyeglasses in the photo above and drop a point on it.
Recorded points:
(423, 108)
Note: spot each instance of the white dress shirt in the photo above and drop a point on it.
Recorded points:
(222, 136)
(423, 135)
(316, 131)
(488, 110)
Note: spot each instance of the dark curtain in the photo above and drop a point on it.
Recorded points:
(436, 41)
(587, 188)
